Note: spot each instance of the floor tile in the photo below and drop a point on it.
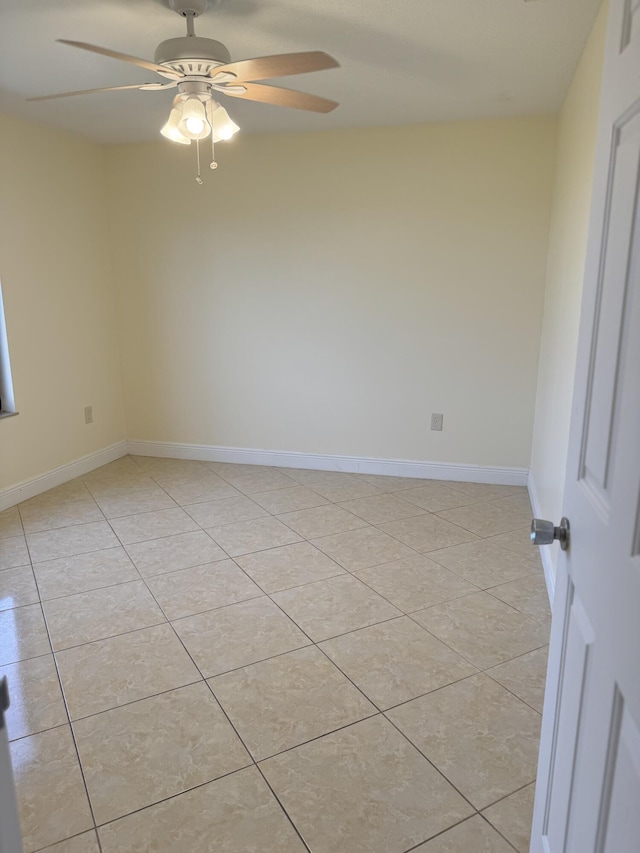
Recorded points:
(519, 502)
(10, 523)
(483, 739)
(363, 789)
(262, 481)
(352, 780)
(190, 591)
(72, 490)
(427, 532)
(359, 549)
(144, 752)
(135, 502)
(347, 489)
(528, 594)
(162, 465)
(289, 499)
(519, 542)
(68, 541)
(69, 575)
(380, 508)
(51, 797)
(485, 519)
(85, 843)
(231, 470)
(108, 673)
(525, 676)
(17, 587)
(415, 583)
(396, 661)
(172, 477)
(472, 836)
(483, 562)
(310, 476)
(152, 525)
(206, 488)
(36, 698)
(245, 537)
(335, 606)
(322, 521)
(23, 634)
(290, 699)
(488, 491)
(122, 466)
(100, 613)
(513, 816)
(13, 552)
(239, 811)
(434, 496)
(288, 566)
(109, 485)
(174, 552)
(238, 635)
(224, 511)
(51, 517)
(482, 629)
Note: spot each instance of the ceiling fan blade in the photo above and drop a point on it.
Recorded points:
(282, 97)
(125, 57)
(280, 65)
(91, 91)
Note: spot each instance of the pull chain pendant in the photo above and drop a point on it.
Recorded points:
(198, 178)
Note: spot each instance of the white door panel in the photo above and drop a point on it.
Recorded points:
(588, 790)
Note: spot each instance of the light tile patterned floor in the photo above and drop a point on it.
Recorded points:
(208, 656)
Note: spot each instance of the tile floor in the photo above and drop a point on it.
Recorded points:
(216, 657)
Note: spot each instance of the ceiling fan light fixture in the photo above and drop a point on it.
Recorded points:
(193, 123)
(171, 129)
(222, 125)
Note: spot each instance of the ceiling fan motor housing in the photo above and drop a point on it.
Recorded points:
(192, 55)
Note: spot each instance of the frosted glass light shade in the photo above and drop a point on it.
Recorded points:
(222, 126)
(193, 123)
(171, 129)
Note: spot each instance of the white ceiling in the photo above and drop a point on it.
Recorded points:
(403, 62)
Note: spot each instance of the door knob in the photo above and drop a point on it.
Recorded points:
(545, 532)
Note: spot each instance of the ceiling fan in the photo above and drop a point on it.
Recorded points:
(198, 68)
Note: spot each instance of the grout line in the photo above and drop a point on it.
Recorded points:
(506, 796)
(435, 767)
(171, 797)
(66, 706)
(442, 832)
(287, 815)
(496, 830)
(92, 829)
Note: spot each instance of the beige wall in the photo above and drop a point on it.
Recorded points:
(565, 271)
(58, 299)
(326, 292)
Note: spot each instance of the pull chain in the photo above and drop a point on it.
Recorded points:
(198, 178)
(212, 164)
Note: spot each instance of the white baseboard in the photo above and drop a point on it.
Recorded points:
(36, 485)
(546, 551)
(325, 462)
(276, 458)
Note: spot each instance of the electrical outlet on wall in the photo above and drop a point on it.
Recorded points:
(436, 422)
(88, 414)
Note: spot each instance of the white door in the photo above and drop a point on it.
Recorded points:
(588, 791)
